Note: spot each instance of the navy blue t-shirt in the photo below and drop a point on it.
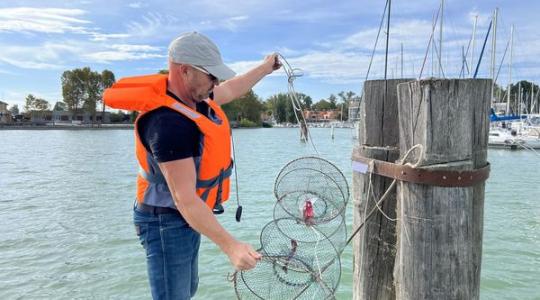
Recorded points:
(169, 135)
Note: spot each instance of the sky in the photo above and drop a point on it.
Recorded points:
(330, 41)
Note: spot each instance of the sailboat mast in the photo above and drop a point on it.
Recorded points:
(493, 53)
(473, 41)
(510, 70)
(387, 39)
(440, 38)
(532, 98)
(402, 60)
(519, 99)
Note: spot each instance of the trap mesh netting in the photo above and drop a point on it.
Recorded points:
(301, 246)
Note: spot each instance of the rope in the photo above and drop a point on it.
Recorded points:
(389, 189)
(528, 148)
(292, 74)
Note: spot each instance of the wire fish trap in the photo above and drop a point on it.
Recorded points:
(296, 228)
(285, 277)
(301, 247)
(312, 184)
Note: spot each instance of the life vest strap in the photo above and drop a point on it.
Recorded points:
(212, 182)
(209, 184)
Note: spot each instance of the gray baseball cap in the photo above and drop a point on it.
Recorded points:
(193, 48)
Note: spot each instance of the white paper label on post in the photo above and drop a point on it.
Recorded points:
(359, 167)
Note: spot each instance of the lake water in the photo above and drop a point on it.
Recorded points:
(66, 227)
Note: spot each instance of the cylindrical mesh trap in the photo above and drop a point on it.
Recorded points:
(302, 245)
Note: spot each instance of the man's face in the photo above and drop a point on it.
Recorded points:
(201, 83)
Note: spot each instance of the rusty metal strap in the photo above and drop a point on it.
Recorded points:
(419, 175)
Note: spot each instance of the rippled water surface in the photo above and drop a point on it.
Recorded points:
(66, 226)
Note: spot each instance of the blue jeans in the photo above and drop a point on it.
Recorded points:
(172, 249)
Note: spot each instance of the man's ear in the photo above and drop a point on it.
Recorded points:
(184, 69)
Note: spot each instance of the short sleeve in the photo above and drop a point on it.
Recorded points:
(168, 135)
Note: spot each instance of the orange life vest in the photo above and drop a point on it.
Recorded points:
(214, 166)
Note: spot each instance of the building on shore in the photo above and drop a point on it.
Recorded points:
(5, 114)
(327, 115)
(65, 117)
(354, 111)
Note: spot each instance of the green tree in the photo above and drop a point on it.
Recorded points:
(305, 100)
(83, 88)
(346, 99)
(247, 107)
(107, 80)
(332, 100)
(323, 105)
(94, 91)
(163, 71)
(29, 104)
(73, 89)
(35, 104)
(526, 96)
(278, 104)
(59, 106)
(14, 110)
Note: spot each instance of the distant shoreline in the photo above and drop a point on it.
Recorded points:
(64, 127)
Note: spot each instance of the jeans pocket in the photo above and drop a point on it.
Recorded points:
(142, 231)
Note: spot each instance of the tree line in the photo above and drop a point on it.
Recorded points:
(522, 92)
(82, 91)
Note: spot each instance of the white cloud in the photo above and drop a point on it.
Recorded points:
(47, 20)
(103, 37)
(58, 55)
(123, 52)
(234, 22)
(111, 56)
(134, 48)
(50, 55)
(137, 5)
(345, 60)
(152, 25)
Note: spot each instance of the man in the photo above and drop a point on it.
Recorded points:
(183, 149)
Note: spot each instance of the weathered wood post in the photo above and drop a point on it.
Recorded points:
(374, 246)
(440, 228)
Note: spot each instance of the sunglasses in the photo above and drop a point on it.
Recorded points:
(212, 77)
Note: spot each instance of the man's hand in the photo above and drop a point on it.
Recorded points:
(238, 86)
(242, 256)
(271, 63)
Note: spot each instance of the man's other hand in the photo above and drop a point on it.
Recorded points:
(242, 256)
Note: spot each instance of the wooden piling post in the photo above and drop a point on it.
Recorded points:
(440, 228)
(374, 246)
